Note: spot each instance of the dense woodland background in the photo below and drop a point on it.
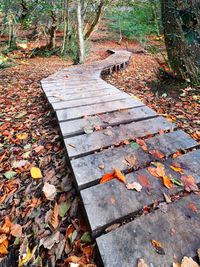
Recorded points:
(65, 27)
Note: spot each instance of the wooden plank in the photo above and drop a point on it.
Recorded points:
(89, 101)
(85, 144)
(75, 113)
(78, 89)
(115, 118)
(87, 172)
(98, 199)
(177, 230)
(65, 96)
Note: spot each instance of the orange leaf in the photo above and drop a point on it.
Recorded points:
(167, 182)
(193, 207)
(158, 247)
(157, 154)
(5, 229)
(4, 246)
(119, 175)
(176, 168)
(54, 217)
(107, 177)
(153, 171)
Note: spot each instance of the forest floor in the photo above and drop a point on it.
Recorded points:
(43, 223)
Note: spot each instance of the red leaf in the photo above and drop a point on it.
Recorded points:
(157, 154)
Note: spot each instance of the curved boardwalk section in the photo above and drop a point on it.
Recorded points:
(100, 126)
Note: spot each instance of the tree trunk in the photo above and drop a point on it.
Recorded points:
(80, 33)
(52, 32)
(95, 21)
(181, 57)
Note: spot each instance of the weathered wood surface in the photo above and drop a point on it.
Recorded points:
(177, 230)
(89, 101)
(96, 121)
(85, 144)
(87, 171)
(76, 113)
(110, 202)
(89, 123)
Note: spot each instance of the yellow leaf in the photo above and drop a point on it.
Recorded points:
(36, 173)
(26, 257)
(22, 136)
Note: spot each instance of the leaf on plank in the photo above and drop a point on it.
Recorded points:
(142, 144)
(189, 183)
(134, 186)
(141, 263)
(167, 182)
(119, 175)
(158, 247)
(157, 154)
(144, 181)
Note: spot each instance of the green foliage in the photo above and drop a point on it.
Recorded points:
(139, 20)
(5, 62)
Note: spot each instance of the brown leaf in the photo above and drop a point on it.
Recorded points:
(132, 161)
(157, 154)
(5, 229)
(142, 144)
(167, 198)
(16, 230)
(144, 181)
(54, 217)
(158, 247)
(189, 183)
(193, 207)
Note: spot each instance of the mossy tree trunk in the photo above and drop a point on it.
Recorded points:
(182, 57)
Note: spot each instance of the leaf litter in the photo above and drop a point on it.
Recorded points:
(37, 200)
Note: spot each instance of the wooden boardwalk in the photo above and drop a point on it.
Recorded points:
(96, 121)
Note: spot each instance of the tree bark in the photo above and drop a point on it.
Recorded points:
(52, 32)
(80, 34)
(95, 21)
(181, 58)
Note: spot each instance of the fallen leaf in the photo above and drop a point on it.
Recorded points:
(158, 247)
(49, 241)
(157, 154)
(101, 166)
(167, 198)
(132, 161)
(141, 263)
(49, 191)
(176, 264)
(193, 207)
(167, 182)
(108, 132)
(142, 144)
(134, 145)
(176, 182)
(119, 175)
(133, 186)
(177, 154)
(16, 230)
(143, 181)
(85, 238)
(63, 208)
(10, 174)
(153, 171)
(38, 149)
(189, 183)
(188, 262)
(22, 136)
(54, 217)
(176, 168)
(107, 177)
(5, 229)
(4, 246)
(25, 258)
(36, 173)
(160, 171)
